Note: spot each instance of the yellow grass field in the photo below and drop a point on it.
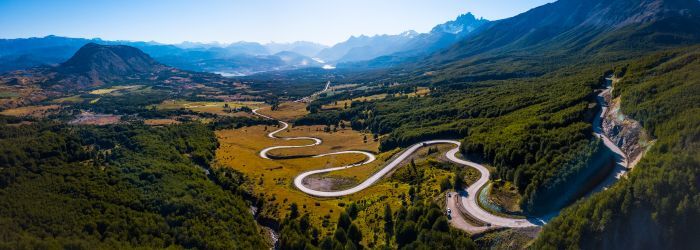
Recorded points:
(89, 118)
(70, 99)
(422, 91)
(271, 180)
(286, 111)
(341, 104)
(360, 174)
(160, 122)
(112, 89)
(33, 111)
(341, 86)
(343, 139)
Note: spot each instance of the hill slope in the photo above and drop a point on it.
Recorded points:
(658, 206)
(237, 58)
(107, 63)
(95, 65)
(585, 27)
(551, 36)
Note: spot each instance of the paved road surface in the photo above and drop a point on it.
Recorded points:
(467, 198)
(468, 202)
(369, 181)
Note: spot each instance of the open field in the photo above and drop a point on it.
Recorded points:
(218, 108)
(239, 150)
(157, 122)
(113, 89)
(347, 178)
(33, 111)
(422, 91)
(271, 180)
(286, 111)
(70, 99)
(13, 96)
(342, 86)
(341, 104)
(89, 118)
(8, 94)
(342, 139)
(353, 176)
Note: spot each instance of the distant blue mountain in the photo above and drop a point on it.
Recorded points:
(236, 59)
(358, 48)
(304, 48)
(404, 45)
(242, 58)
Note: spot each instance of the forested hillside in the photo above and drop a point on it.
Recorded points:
(658, 206)
(121, 186)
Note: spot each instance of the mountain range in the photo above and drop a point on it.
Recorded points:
(244, 58)
(96, 65)
(237, 59)
(550, 36)
(521, 94)
(464, 47)
(364, 48)
(586, 27)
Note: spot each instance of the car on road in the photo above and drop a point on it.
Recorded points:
(449, 211)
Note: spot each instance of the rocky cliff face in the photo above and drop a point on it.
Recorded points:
(625, 132)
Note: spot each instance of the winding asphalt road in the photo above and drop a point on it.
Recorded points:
(469, 199)
(469, 202)
(465, 199)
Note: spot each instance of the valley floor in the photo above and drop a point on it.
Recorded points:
(306, 147)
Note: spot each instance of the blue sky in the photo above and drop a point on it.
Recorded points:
(174, 21)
